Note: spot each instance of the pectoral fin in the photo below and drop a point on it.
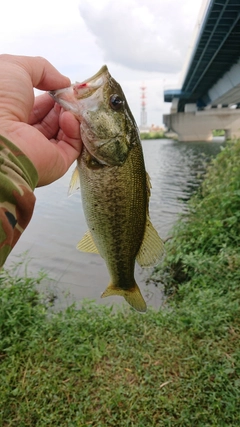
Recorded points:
(74, 183)
(152, 247)
(87, 244)
(133, 296)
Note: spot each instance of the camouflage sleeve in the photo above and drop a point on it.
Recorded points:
(18, 178)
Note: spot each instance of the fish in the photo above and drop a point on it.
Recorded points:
(115, 186)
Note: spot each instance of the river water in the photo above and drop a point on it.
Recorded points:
(58, 223)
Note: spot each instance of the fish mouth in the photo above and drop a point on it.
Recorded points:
(68, 97)
(90, 85)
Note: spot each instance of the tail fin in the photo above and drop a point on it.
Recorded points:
(133, 296)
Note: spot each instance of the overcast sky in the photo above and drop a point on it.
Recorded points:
(141, 41)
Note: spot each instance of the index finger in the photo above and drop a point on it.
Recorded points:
(43, 74)
(42, 105)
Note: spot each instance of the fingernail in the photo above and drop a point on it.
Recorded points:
(57, 108)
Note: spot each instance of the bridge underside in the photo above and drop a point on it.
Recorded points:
(199, 125)
(212, 79)
(216, 51)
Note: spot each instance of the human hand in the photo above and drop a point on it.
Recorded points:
(48, 136)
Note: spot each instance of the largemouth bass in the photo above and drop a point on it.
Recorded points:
(114, 184)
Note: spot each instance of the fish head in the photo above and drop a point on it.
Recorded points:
(106, 122)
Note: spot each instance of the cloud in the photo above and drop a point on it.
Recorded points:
(142, 41)
(149, 35)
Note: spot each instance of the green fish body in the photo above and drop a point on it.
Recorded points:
(114, 184)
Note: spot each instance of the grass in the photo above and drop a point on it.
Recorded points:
(152, 135)
(179, 366)
(94, 367)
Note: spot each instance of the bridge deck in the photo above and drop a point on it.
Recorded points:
(216, 50)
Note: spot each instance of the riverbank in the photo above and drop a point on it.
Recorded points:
(172, 135)
(152, 135)
(158, 135)
(179, 366)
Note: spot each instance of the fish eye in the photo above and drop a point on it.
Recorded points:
(116, 102)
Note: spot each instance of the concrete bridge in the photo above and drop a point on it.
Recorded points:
(209, 94)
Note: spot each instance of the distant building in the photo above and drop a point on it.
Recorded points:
(156, 128)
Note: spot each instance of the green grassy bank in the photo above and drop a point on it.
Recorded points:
(179, 366)
(152, 135)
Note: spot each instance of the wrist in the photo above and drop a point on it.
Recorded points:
(19, 162)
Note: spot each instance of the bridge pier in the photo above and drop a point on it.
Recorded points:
(198, 125)
(231, 134)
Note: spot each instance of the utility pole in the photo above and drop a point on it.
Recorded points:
(143, 120)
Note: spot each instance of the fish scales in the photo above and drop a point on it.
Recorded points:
(112, 209)
(114, 184)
